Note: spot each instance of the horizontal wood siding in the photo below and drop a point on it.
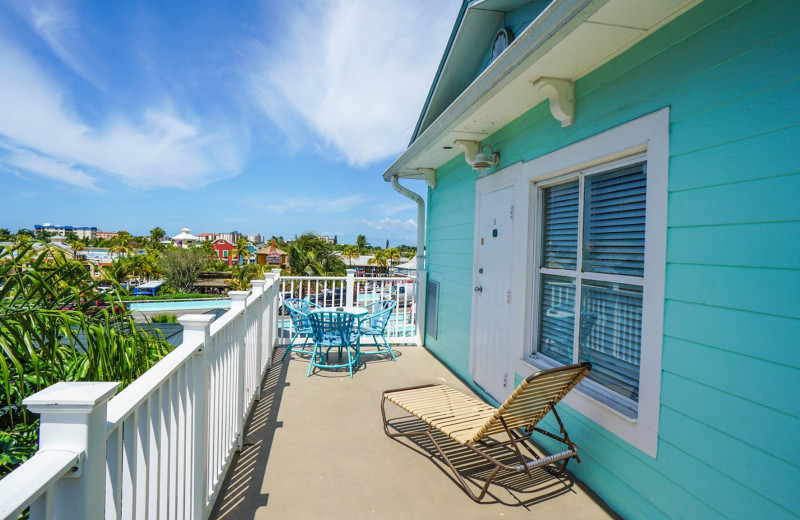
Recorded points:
(730, 416)
(451, 208)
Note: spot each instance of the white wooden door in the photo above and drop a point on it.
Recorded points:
(492, 293)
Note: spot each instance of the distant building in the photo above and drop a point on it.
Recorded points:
(82, 232)
(206, 236)
(256, 239)
(272, 256)
(225, 251)
(107, 235)
(231, 237)
(184, 238)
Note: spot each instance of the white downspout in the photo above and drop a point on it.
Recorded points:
(422, 273)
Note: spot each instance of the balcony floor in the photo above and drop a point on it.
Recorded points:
(315, 448)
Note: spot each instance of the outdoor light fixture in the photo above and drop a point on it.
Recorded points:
(473, 154)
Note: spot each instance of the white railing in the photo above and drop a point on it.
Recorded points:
(161, 447)
(339, 291)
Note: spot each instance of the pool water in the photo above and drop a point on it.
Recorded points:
(178, 305)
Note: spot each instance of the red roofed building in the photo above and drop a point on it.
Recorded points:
(225, 251)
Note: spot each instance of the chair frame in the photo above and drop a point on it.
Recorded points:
(350, 329)
(391, 305)
(306, 335)
(480, 441)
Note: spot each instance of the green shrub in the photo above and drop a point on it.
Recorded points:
(164, 318)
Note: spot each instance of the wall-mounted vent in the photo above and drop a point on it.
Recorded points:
(432, 309)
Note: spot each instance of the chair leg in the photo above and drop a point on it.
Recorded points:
(388, 347)
(312, 362)
(289, 346)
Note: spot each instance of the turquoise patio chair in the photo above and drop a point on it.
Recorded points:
(334, 329)
(298, 311)
(375, 325)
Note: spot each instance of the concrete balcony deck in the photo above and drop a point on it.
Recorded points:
(315, 448)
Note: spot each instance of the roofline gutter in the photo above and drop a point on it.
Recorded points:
(539, 36)
(420, 219)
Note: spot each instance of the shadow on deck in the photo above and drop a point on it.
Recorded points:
(315, 448)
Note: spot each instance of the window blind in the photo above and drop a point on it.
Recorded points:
(613, 220)
(611, 335)
(560, 237)
(557, 318)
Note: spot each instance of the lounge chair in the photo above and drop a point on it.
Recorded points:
(471, 422)
(298, 311)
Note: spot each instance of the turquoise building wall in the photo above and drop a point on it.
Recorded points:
(730, 404)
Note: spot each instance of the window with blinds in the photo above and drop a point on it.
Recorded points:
(591, 275)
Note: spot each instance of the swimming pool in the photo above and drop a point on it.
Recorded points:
(178, 305)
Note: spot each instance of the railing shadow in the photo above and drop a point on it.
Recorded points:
(240, 495)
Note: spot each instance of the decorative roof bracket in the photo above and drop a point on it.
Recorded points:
(561, 93)
(430, 176)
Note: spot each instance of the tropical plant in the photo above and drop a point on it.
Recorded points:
(55, 326)
(361, 244)
(392, 255)
(208, 248)
(379, 259)
(349, 253)
(157, 235)
(180, 267)
(242, 251)
(309, 255)
(242, 275)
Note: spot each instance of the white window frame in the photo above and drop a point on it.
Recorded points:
(624, 405)
(645, 138)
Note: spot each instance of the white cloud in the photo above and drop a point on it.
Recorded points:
(391, 224)
(157, 148)
(356, 72)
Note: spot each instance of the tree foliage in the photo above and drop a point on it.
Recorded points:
(55, 326)
(309, 255)
(180, 267)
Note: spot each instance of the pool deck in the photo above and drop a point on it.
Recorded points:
(315, 448)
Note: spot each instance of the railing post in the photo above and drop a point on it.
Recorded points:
(239, 305)
(261, 346)
(276, 281)
(73, 418)
(197, 327)
(351, 287)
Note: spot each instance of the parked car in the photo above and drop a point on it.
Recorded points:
(404, 294)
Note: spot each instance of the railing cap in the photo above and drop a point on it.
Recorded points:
(238, 295)
(258, 283)
(196, 321)
(70, 397)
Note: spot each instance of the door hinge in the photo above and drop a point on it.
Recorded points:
(505, 380)
(511, 213)
(508, 296)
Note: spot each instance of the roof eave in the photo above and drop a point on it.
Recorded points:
(554, 24)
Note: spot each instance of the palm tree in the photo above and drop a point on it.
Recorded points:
(157, 235)
(349, 253)
(392, 255)
(379, 260)
(208, 248)
(242, 251)
(361, 244)
(309, 255)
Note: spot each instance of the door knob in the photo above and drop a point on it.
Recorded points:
(478, 288)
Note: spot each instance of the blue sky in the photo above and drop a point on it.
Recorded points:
(270, 117)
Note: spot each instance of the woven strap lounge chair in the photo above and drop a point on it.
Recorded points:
(473, 423)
